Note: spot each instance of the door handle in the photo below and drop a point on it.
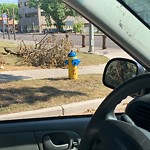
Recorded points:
(49, 145)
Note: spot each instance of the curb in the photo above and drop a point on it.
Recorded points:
(81, 107)
(64, 110)
(46, 112)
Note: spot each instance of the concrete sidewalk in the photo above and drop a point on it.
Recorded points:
(46, 73)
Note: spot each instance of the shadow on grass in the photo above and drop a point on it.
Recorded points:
(7, 78)
(58, 79)
(32, 95)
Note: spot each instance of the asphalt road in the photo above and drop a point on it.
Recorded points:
(77, 39)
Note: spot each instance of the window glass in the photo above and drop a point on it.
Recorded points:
(27, 3)
(20, 4)
(42, 89)
(34, 14)
(140, 8)
(42, 13)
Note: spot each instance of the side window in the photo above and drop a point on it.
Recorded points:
(140, 9)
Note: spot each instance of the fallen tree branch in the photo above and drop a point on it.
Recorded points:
(8, 51)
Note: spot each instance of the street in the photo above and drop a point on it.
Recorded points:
(76, 38)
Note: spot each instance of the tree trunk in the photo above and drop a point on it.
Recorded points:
(59, 26)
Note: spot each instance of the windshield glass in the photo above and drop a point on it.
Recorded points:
(140, 8)
(52, 58)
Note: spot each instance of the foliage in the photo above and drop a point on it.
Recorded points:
(2, 61)
(78, 27)
(49, 52)
(8, 8)
(54, 9)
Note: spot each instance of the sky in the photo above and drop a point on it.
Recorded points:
(8, 1)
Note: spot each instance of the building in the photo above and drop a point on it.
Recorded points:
(33, 19)
(4, 23)
(30, 19)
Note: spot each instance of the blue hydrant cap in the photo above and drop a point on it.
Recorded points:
(72, 54)
(76, 62)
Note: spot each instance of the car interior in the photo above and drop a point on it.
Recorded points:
(105, 129)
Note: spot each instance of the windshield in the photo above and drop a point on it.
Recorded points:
(44, 44)
(140, 8)
(120, 25)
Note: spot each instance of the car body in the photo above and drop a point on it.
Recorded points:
(46, 31)
(104, 130)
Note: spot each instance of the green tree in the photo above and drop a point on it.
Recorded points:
(54, 9)
(78, 27)
(8, 8)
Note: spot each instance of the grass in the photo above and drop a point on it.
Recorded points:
(88, 59)
(14, 63)
(10, 60)
(6, 44)
(35, 94)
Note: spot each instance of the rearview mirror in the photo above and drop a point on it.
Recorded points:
(119, 70)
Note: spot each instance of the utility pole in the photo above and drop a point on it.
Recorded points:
(14, 31)
(3, 26)
(104, 42)
(8, 29)
(91, 38)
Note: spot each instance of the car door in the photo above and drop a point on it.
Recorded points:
(59, 133)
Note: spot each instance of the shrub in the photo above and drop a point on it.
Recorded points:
(49, 52)
(2, 62)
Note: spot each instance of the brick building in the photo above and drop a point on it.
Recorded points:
(10, 22)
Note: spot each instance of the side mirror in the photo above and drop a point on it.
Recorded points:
(119, 70)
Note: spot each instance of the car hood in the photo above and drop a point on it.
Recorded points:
(119, 24)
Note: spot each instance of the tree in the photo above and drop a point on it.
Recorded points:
(8, 8)
(54, 9)
(78, 27)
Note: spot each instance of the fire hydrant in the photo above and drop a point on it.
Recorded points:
(72, 63)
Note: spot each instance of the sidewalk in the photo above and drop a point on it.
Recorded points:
(46, 73)
(6, 76)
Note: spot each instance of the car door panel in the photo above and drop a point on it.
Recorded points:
(58, 140)
(43, 134)
(18, 141)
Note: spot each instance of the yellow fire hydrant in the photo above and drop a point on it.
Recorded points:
(72, 63)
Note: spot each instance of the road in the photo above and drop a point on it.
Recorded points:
(77, 39)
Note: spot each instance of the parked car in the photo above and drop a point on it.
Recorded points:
(46, 31)
(124, 22)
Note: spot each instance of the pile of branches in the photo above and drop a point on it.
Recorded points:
(49, 52)
(2, 62)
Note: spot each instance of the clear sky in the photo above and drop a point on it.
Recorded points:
(8, 1)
